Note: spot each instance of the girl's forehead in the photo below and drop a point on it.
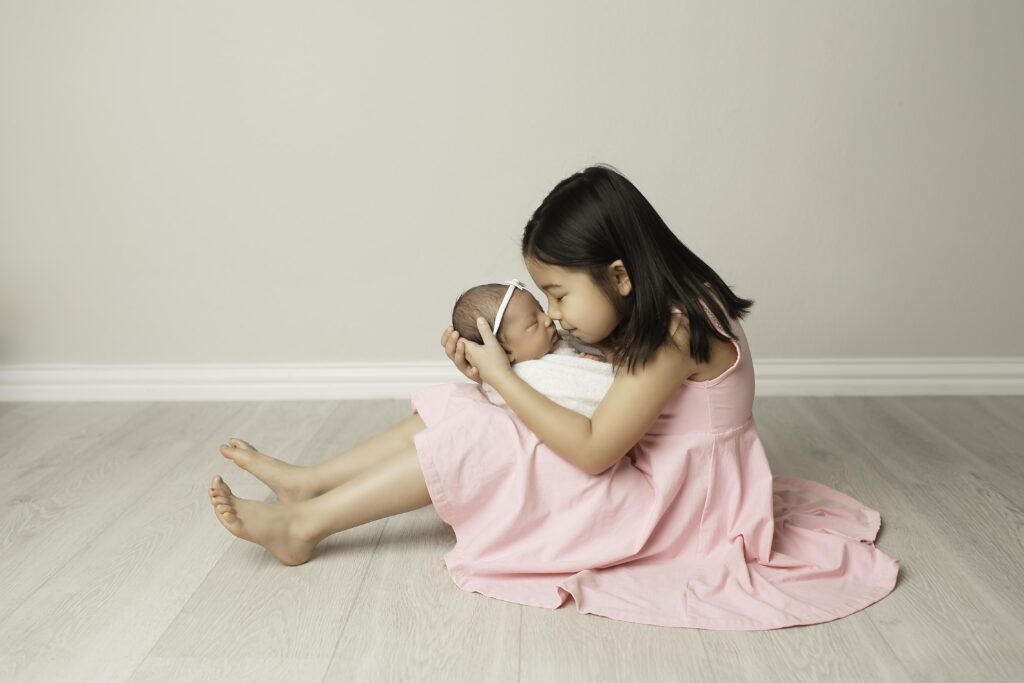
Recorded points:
(547, 276)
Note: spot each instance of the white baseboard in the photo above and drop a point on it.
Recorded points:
(337, 381)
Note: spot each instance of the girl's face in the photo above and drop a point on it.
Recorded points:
(526, 332)
(580, 306)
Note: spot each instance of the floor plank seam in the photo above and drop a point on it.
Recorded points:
(358, 592)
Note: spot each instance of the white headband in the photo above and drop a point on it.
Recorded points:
(504, 302)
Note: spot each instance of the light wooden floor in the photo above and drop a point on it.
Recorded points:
(113, 567)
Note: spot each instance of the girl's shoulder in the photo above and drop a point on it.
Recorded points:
(681, 320)
(680, 324)
(679, 330)
(636, 399)
(669, 365)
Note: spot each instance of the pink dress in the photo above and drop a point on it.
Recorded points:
(692, 530)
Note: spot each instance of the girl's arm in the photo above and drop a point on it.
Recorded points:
(624, 415)
(565, 431)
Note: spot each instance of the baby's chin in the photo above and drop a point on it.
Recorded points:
(536, 356)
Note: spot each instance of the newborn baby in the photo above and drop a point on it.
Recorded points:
(562, 368)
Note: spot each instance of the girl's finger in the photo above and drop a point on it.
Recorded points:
(450, 346)
(485, 329)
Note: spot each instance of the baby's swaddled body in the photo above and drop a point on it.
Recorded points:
(565, 377)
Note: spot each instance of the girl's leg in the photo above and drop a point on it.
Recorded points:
(292, 483)
(291, 531)
(390, 487)
(339, 469)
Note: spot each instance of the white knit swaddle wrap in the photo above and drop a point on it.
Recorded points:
(563, 376)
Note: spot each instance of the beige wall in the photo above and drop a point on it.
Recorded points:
(302, 182)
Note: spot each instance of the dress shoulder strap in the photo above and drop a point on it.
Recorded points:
(711, 316)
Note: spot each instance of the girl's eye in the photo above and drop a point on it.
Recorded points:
(558, 299)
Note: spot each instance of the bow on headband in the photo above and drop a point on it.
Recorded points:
(513, 283)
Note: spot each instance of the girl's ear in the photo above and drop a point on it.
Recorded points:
(622, 281)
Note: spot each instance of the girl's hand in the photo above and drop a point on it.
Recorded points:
(489, 359)
(456, 353)
(592, 356)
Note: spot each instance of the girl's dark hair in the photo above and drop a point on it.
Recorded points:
(596, 216)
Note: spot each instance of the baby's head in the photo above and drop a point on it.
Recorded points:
(526, 332)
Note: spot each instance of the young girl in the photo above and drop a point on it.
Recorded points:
(690, 530)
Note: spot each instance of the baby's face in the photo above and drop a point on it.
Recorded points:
(526, 331)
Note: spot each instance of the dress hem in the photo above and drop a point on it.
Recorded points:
(709, 623)
(875, 517)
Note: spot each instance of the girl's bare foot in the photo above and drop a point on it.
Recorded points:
(290, 483)
(271, 525)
